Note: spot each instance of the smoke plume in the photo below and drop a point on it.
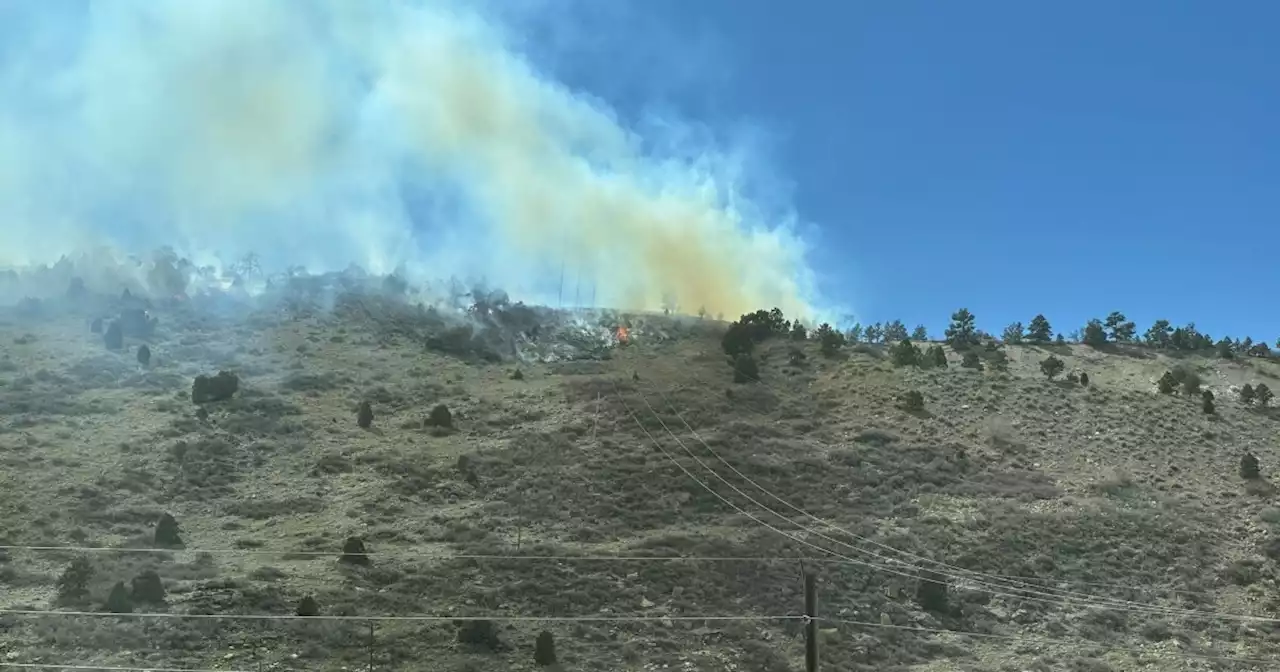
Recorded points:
(386, 133)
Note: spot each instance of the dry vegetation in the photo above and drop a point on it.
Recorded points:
(1001, 471)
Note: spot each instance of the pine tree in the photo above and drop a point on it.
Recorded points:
(1039, 331)
(962, 331)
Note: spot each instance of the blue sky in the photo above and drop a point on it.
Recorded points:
(1010, 157)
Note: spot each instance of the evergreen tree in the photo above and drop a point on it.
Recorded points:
(1039, 330)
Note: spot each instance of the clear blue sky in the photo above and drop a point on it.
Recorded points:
(1011, 157)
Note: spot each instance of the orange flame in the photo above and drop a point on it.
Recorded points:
(624, 335)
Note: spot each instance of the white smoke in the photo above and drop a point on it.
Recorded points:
(388, 133)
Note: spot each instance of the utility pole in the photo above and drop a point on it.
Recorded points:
(811, 622)
(370, 646)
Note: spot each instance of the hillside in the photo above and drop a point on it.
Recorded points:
(1129, 499)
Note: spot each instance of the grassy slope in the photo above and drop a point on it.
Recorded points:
(1004, 473)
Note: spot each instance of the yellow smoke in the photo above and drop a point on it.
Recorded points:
(288, 126)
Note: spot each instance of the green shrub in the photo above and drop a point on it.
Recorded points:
(971, 360)
(1167, 383)
(1013, 333)
(73, 583)
(147, 588)
(936, 356)
(921, 335)
(745, 369)
(1263, 394)
(1051, 366)
(167, 532)
(1249, 467)
(308, 607)
(913, 401)
(364, 415)
(931, 592)
(1084, 379)
(1207, 406)
(354, 552)
(1247, 394)
(544, 649)
(905, 353)
(118, 601)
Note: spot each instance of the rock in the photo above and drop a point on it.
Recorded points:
(214, 388)
(144, 355)
(364, 415)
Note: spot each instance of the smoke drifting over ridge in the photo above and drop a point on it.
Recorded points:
(390, 134)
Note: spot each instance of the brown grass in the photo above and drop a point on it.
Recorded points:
(1004, 472)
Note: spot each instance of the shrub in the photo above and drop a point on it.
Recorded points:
(1061, 340)
(936, 356)
(905, 353)
(931, 592)
(796, 357)
(308, 606)
(214, 388)
(1094, 335)
(118, 601)
(1051, 366)
(745, 369)
(73, 583)
(913, 401)
(921, 335)
(544, 649)
(167, 532)
(737, 339)
(144, 355)
(962, 331)
(440, 417)
(971, 360)
(517, 375)
(1263, 394)
(1247, 394)
(114, 337)
(364, 415)
(1249, 467)
(1039, 330)
(1207, 406)
(798, 332)
(147, 588)
(1167, 383)
(1226, 349)
(479, 634)
(1084, 379)
(1188, 379)
(354, 552)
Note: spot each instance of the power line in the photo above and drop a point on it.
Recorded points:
(109, 668)
(1049, 598)
(963, 572)
(1042, 640)
(392, 619)
(427, 556)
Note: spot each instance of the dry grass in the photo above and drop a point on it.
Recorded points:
(1004, 472)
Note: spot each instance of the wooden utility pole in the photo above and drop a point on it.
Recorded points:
(811, 622)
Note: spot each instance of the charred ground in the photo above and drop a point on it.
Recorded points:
(553, 440)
